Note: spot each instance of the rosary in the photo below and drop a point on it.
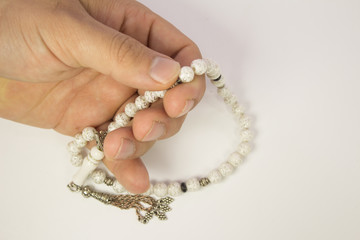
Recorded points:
(146, 205)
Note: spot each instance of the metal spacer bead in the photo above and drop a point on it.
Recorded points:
(109, 181)
(204, 182)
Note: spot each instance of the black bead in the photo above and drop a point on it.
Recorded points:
(217, 79)
(183, 187)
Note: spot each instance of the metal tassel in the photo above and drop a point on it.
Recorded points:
(141, 203)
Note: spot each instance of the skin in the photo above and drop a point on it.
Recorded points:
(69, 64)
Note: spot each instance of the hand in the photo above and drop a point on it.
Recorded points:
(69, 64)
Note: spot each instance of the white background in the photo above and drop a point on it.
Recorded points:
(296, 66)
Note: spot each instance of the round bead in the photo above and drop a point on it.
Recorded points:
(226, 169)
(174, 189)
(80, 141)
(199, 66)
(244, 148)
(76, 160)
(131, 109)
(150, 96)
(215, 176)
(118, 188)
(238, 110)
(192, 184)
(73, 148)
(231, 100)
(96, 153)
(246, 135)
(98, 176)
(244, 122)
(224, 92)
(122, 119)
(113, 126)
(219, 83)
(213, 70)
(88, 133)
(141, 103)
(160, 189)
(235, 159)
(160, 94)
(150, 190)
(186, 74)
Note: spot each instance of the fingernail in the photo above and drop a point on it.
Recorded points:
(157, 130)
(188, 106)
(164, 70)
(126, 149)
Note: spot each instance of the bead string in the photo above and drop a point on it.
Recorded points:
(90, 162)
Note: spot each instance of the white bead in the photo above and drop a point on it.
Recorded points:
(150, 190)
(226, 169)
(231, 100)
(192, 184)
(215, 176)
(80, 141)
(76, 160)
(186, 74)
(244, 122)
(160, 189)
(122, 119)
(141, 103)
(88, 133)
(238, 110)
(150, 96)
(96, 153)
(235, 159)
(199, 66)
(244, 148)
(98, 176)
(219, 83)
(160, 94)
(131, 109)
(224, 92)
(174, 189)
(118, 188)
(73, 148)
(213, 70)
(246, 135)
(113, 126)
(88, 166)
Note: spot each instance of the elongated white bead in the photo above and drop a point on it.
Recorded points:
(174, 189)
(160, 189)
(131, 109)
(235, 159)
(141, 103)
(192, 184)
(186, 74)
(98, 176)
(73, 148)
(244, 148)
(118, 188)
(80, 141)
(199, 66)
(88, 166)
(88, 133)
(122, 119)
(226, 169)
(215, 176)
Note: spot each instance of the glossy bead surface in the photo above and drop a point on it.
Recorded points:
(96, 153)
(183, 187)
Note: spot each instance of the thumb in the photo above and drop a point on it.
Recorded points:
(123, 58)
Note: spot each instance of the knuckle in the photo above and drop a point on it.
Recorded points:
(125, 50)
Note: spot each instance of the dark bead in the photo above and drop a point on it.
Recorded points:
(183, 187)
(217, 79)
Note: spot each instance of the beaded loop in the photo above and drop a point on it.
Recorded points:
(187, 74)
